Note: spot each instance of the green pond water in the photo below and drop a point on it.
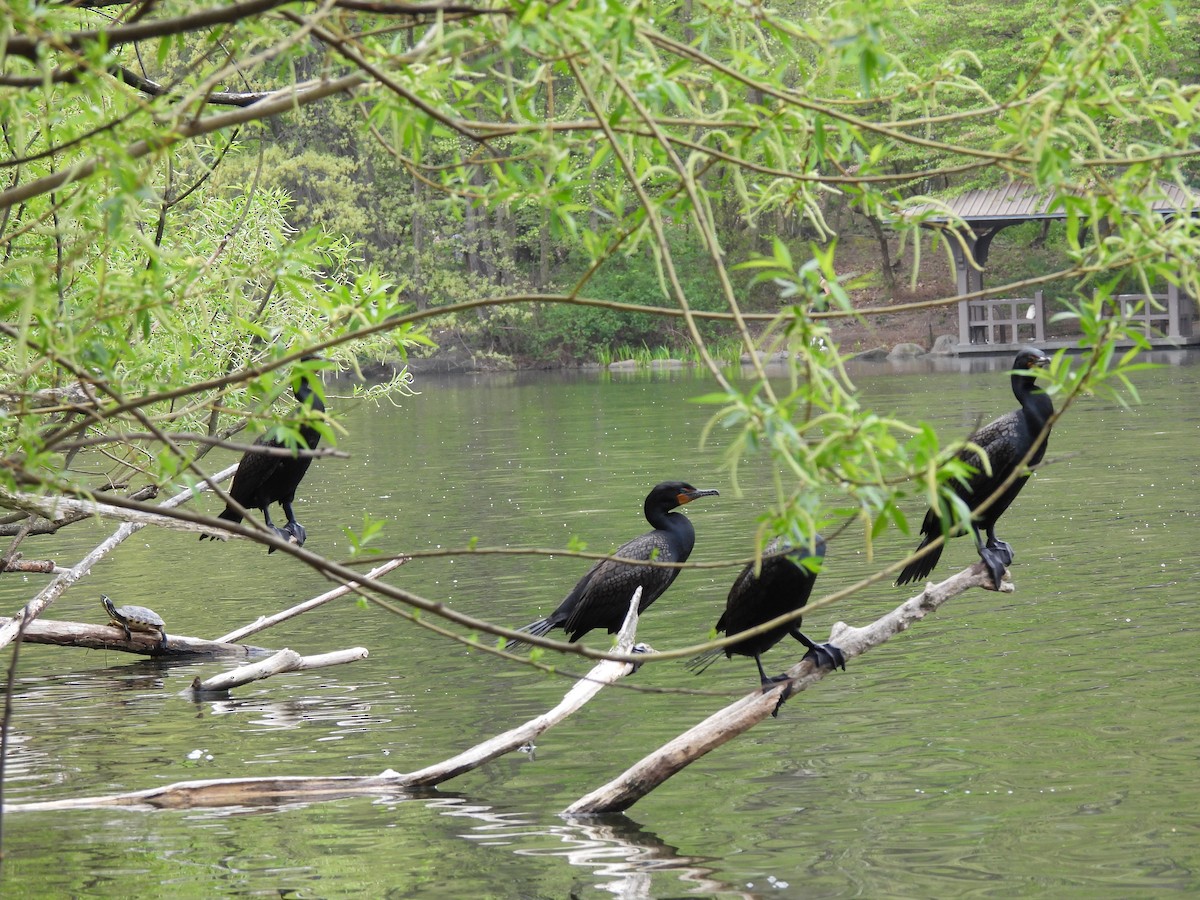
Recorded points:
(1040, 743)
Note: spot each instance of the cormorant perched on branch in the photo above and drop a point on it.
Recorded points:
(783, 585)
(602, 596)
(262, 478)
(1006, 441)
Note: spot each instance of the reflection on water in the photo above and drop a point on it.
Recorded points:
(614, 848)
(1040, 743)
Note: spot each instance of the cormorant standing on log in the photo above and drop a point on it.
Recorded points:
(1006, 441)
(601, 597)
(263, 478)
(783, 585)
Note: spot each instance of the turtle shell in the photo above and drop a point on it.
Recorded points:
(140, 618)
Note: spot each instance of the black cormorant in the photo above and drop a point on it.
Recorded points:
(1006, 441)
(601, 597)
(783, 585)
(263, 478)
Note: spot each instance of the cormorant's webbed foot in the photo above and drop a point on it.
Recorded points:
(826, 656)
(283, 533)
(295, 533)
(1003, 548)
(769, 682)
(823, 656)
(996, 560)
(639, 647)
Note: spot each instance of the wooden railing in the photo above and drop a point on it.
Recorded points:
(1005, 321)
(1151, 310)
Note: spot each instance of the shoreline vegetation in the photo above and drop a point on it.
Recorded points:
(629, 359)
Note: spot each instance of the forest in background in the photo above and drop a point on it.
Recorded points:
(353, 186)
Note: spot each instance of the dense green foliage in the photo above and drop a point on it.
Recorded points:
(193, 198)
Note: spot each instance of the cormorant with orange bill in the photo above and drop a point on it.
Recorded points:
(601, 597)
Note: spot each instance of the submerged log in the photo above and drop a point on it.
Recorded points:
(215, 793)
(36, 566)
(112, 637)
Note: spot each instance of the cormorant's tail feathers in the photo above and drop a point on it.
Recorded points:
(921, 567)
(540, 628)
(702, 661)
(229, 515)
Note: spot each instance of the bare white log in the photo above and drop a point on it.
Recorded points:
(647, 774)
(62, 509)
(60, 583)
(248, 791)
(283, 661)
(263, 622)
(111, 637)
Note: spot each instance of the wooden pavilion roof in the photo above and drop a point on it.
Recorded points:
(1019, 201)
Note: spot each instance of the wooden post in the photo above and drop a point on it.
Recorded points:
(961, 267)
(1173, 329)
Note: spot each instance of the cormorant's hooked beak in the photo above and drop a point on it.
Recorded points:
(689, 496)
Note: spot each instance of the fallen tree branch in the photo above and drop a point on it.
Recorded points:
(264, 622)
(283, 661)
(726, 724)
(59, 511)
(259, 791)
(36, 566)
(112, 637)
(60, 583)
(31, 521)
(620, 794)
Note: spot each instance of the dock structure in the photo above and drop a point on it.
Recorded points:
(1002, 324)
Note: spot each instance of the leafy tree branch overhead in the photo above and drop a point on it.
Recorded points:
(194, 199)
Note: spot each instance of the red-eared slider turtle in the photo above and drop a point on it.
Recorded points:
(135, 618)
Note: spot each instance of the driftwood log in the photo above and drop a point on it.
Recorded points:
(277, 663)
(111, 637)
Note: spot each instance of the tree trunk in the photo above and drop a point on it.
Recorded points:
(885, 255)
(418, 245)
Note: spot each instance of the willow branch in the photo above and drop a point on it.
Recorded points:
(31, 47)
(273, 104)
